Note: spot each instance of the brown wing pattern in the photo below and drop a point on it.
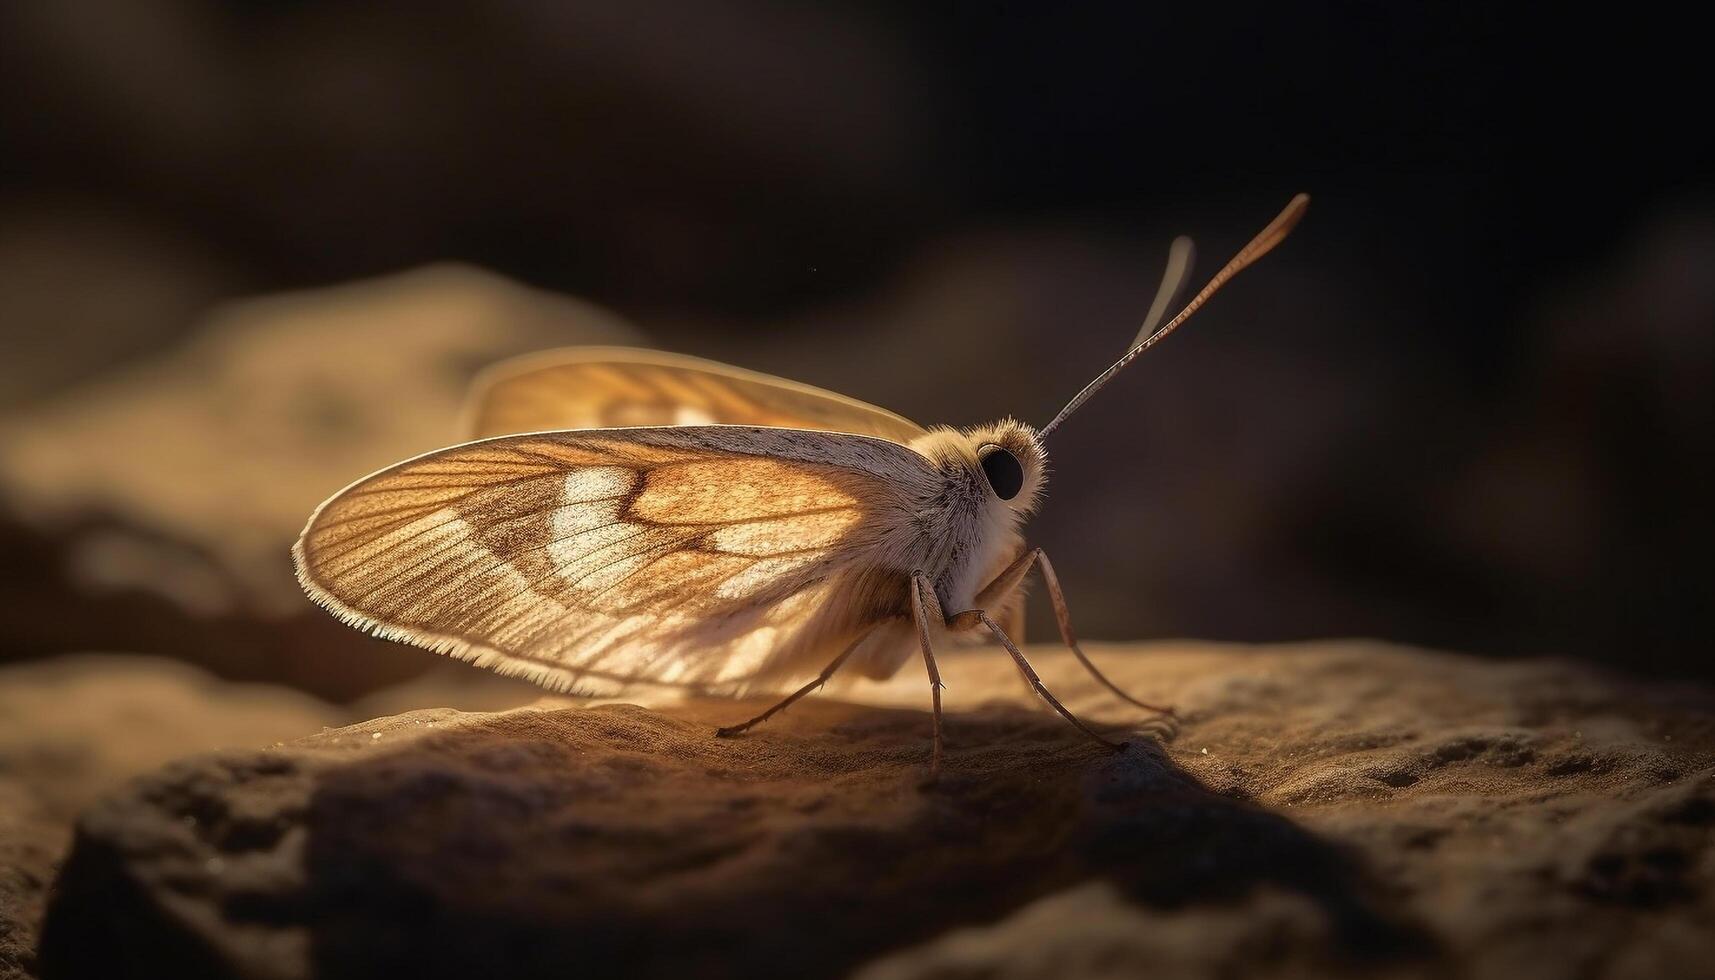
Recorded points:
(702, 556)
(606, 387)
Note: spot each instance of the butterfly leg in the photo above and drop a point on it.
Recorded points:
(1030, 677)
(822, 678)
(1010, 579)
(921, 611)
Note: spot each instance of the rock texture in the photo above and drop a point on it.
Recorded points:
(1326, 809)
(74, 728)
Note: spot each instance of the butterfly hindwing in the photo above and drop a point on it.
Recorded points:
(604, 387)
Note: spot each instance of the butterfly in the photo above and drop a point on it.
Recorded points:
(625, 517)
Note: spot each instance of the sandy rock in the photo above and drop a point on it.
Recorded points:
(1323, 809)
(31, 843)
(76, 727)
(1092, 930)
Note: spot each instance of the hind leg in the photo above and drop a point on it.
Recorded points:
(822, 678)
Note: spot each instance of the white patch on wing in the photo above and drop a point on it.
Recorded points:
(581, 528)
(597, 482)
(580, 553)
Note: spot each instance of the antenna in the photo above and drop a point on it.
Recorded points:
(1259, 246)
(1180, 256)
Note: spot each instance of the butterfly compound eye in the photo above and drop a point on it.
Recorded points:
(1005, 476)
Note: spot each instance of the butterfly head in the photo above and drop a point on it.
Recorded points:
(1001, 462)
(1011, 461)
(1006, 463)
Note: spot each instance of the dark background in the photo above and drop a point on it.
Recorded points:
(1467, 405)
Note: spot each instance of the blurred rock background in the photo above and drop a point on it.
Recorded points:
(251, 251)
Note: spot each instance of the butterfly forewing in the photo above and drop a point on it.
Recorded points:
(699, 555)
(604, 387)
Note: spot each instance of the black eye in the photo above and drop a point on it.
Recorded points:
(1003, 471)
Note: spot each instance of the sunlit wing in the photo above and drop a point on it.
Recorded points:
(608, 387)
(707, 556)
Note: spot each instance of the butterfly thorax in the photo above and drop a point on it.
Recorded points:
(969, 532)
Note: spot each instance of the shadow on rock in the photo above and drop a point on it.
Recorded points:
(627, 840)
(622, 840)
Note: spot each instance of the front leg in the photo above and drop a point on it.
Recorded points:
(1013, 576)
(926, 608)
(1029, 672)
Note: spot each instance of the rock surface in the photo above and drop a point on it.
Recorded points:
(1323, 809)
(76, 727)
